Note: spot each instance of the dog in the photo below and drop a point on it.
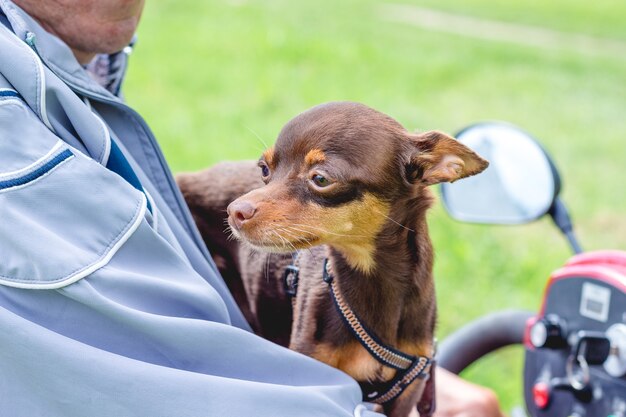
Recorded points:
(333, 257)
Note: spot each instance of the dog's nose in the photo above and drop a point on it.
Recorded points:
(240, 211)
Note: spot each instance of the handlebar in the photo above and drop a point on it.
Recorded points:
(481, 337)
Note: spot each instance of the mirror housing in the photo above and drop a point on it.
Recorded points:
(520, 185)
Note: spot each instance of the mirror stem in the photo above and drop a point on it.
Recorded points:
(561, 218)
(573, 242)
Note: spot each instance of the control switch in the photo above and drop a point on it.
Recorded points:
(548, 332)
(615, 364)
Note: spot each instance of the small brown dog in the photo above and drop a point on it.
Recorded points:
(338, 212)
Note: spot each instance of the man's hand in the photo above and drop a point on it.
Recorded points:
(459, 398)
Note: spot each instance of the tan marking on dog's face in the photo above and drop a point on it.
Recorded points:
(268, 156)
(283, 224)
(356, 226)
(354, 360)
(314, 156)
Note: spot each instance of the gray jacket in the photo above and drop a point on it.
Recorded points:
(109, 302)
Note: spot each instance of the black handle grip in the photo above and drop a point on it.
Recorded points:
(480, 337)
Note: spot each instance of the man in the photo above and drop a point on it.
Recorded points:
(109, 302)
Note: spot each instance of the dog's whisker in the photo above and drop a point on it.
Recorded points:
(291, 233)
(293, 254)
(291, 244)
(267, 262)
(311, 253)
(286, 241)
(399, 224)
(295, 229)
(328, 231)
(258, 137)
(268, 237)
(310, 227)
(286, 229)
(267, 267)
(230, 234)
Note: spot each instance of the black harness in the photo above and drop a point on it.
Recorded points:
(408, 367)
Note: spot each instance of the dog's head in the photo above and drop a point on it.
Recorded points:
(335, 173)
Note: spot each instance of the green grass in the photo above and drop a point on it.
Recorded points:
(210, 77)
(603, 18)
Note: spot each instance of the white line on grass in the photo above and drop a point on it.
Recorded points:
(494, 30)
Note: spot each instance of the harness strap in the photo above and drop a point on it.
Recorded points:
(409, 367)
(384, 354)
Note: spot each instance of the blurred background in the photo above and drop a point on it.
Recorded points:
(215, 79)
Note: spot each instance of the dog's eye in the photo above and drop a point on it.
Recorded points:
(265, 170)
(320, 180)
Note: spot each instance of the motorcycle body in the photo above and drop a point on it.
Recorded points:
(575, 346)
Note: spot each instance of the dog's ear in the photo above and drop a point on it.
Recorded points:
(438, 157)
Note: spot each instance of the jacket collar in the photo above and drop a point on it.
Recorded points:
(54, 53)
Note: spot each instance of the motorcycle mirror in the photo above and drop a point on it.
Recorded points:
(520, 185)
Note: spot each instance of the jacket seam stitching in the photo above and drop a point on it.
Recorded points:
(56, 148)
(129, 228)
(9, 188)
